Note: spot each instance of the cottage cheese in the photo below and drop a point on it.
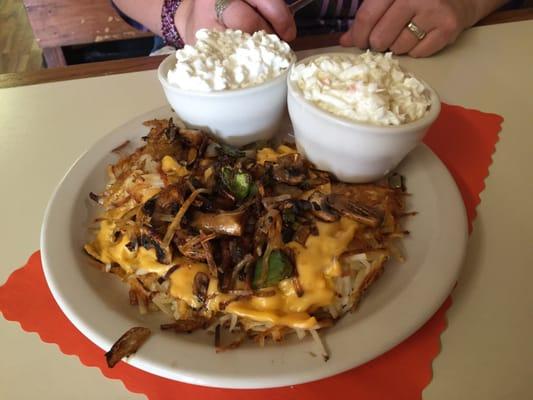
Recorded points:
(370, 87)
(229, 60)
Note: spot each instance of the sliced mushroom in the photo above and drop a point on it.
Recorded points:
(193, 137)
(353, 210)
(230, 223)
(127, 344)
(200, 286)
(288, 175)
(321, 210)
(289, 169)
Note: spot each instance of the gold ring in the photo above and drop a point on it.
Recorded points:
(416, 30)
(220, 7)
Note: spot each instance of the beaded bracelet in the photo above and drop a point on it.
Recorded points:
(168, 27)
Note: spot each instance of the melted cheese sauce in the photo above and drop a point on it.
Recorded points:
(268, 154)
(108, 251)
(171, 167)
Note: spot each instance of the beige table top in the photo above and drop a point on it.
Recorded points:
(487, 349)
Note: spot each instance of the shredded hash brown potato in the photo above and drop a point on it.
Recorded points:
(254, 242)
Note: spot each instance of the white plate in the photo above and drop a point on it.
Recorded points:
(397, 305)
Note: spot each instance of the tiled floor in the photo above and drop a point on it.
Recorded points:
(18, 50)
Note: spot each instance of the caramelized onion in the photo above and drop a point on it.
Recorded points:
(127, 345)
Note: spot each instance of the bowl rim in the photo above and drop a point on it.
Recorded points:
(167, 63)
(425, 120)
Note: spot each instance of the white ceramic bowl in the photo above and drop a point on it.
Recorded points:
(352, 151)
(238, 116)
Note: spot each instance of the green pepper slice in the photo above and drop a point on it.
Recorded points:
(279, 267)
(237, 182)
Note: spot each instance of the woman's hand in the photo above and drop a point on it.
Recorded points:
(248, 16)
(381, 24)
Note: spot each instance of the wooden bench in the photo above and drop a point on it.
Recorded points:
(58, 23)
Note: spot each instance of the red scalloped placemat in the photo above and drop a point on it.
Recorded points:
(463, 139)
